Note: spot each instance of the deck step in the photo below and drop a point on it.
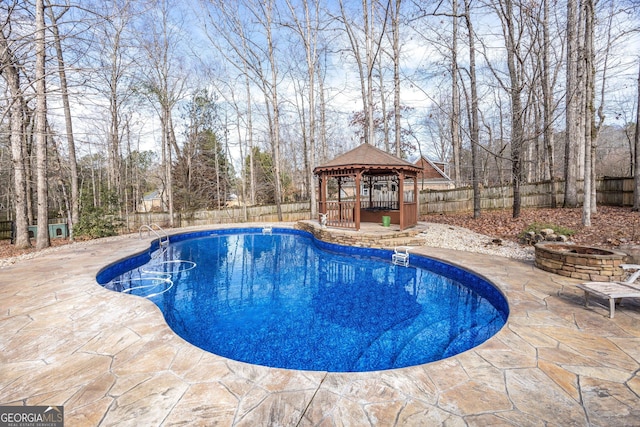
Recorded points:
(391, 243)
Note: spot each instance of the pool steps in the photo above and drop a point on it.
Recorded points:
(163, 237)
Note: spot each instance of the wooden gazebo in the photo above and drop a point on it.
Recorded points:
(365, 185)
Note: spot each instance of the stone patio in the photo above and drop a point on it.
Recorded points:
(110, 359)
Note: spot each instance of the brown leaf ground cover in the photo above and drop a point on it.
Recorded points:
(7, 250)
(611, 226)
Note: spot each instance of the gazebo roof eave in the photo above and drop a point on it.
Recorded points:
(370, 169)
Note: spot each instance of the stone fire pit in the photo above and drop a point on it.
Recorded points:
(580, 262)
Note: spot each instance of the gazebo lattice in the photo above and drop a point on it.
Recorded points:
(365, 185)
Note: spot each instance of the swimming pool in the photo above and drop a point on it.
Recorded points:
(288, 300)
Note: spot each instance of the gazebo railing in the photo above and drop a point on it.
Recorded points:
(340, 214)
(380, 205)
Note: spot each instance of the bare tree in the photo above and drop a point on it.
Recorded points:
(636, 140)
(370, 56)
(513, 34)
(112, 67)
(227, 33)
(41, 131)
(382, 96)
(589, 110)
(307, 28)
(73, 164)
(9, 69)
(354, 42)
(271, 95)
(594, 117)
(571, 108)
(395, 31)
(473, 111)
(456, 143)
(229, 91)
(116, 71)
(165, 82)
(547, 100)
(252, 178)
(366, 64)
(257, 60)
(323, 113)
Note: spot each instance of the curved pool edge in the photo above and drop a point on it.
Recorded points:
(469, 278)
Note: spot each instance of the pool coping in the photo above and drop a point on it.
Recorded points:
(110, 359)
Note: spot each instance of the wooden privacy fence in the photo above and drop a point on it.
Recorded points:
(609, 191)
(290, 212)
(615, 191)
(5, 230)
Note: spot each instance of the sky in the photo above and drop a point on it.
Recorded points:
(423, 67)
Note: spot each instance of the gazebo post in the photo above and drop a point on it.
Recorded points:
(401, 198)
(357, 207)
(416, 197)
(340, 199)
(322, 187)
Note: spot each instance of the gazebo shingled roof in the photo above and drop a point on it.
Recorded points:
(366, 156)
(367, 160)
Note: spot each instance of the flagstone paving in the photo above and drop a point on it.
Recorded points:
(110, 359)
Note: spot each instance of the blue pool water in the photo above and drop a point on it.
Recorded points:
(288, 300)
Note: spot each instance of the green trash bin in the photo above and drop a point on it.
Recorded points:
(386, 221)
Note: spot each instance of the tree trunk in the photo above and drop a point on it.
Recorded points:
(517, 130)
(395, 28)
(589, 112)
(595, 134)
(61, 184)
(323, 118)
(312, 33)
(475, 131)
(383, 111)
(355, 48)
(11, 75)
(41, 131)
(243, 181)
(571, 127)
(367, 8)
(276, 109)
(170, 138)
(252, 179)
(636, 141)
(73, 164)
(308, 31)
(547, 102)
(455, 97)
(114, 135)
(28, 132)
